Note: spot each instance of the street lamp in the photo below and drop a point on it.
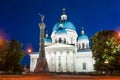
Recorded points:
(106, 62)
(29, 50)
(0, 41)
(119, 34)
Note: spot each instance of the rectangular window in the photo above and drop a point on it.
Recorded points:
(84, 66)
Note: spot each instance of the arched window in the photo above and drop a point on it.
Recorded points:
(59, 63)
(79, 46)
(71, 40)
(83, 45)
(64, 40)
(67, 52)
(87, 46)
(60, 40)
(55, 40)
(84, 66)
(59, 57)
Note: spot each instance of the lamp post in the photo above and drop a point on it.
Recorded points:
(119, 34)
(26, 69)
(1, 41)
(106, 62)
(29, 50)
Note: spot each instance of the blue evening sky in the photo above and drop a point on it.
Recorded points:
(19, 18)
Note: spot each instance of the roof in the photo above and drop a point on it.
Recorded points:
(47, 39)
(66, 25)
(60, 46)
(61, 30)
(84, 50)
(83, 36)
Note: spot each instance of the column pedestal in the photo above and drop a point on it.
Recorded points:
(41, 66)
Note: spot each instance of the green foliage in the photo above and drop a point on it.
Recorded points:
(3, 52)
(10, 55)
(106, 46)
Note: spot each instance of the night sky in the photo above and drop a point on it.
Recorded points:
(19, 18)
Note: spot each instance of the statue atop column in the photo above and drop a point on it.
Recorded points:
(42, 17)
(41, 65)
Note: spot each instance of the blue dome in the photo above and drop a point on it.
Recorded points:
(47, 39)
(61, 30)
(83, 36)
(66, 25)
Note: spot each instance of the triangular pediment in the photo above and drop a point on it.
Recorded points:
(58, 45)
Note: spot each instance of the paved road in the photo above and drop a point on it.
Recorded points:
(57, 77)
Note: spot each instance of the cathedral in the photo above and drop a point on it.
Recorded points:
(65, 51)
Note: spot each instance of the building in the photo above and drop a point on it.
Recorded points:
(65, 51)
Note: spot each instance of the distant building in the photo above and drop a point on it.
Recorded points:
(65, 51)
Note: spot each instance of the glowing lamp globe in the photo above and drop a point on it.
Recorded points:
(29, 50)
(106, 61)
(119, 34)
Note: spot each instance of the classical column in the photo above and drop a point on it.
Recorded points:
(59, 62)
(41, 66)
(67, 68)
(74, 62)
(55, 61)
(31, 64)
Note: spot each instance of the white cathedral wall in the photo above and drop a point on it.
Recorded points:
(47, 43)
(84, 57)
(62, 36)
(70, 61)
(65, 60)
(61, 62)
(57, 36)
(53, 37)
(86, 42)
(33, 61)
(72, 36)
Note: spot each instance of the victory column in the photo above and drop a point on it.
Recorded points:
(41, 66)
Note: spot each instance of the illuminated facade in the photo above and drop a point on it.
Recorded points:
(65, 51)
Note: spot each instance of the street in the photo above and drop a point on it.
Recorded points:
(56, 77)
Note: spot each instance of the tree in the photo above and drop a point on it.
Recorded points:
(3, 52)
(10, 55)
(114, 45)
(105, 47)
(15, 55)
